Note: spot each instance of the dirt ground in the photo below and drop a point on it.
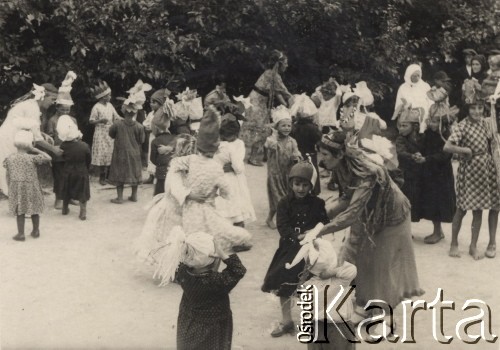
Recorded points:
(78, 287)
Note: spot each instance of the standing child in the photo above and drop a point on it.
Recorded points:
(438, 183)
(329, 275)
(77, 160)
(408, 147)
(25, 192)
(162, 137)
(103, 115)
(126, 166)
(157, 100)
(231, 155)
(298, 212)
(477, 187)
(307, 134)
(282, 153)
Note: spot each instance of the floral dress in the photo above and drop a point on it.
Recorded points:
(25, 192)
(281, 154)
(102, 146)
(477, 187)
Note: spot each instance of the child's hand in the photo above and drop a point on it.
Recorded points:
(301, 236)
(165, 149)
(219, 252)
(467, 155)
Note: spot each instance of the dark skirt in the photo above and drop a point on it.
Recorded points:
(412, 190)
(438, 200)
(279, 280)
(195, 333)
(58, 177)
(76, 186)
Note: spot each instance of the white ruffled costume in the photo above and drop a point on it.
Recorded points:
(240, 208)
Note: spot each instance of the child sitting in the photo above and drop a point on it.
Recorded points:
(328, 277)
(282, 153)
(77, 158)
(408, 147)
(297, 213)
(25, 192)
(126, 166)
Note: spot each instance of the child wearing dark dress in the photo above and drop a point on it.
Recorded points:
(163, 137)
(77, 159)
(126, 164)
(25, 192)
(408, 148)
(307, 134)
(297, 213)
(438, 182)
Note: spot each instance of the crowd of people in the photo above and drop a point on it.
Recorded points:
(197, 150)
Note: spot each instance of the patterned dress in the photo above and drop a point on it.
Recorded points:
(281, 154)
(476, 179)
(204, 178)
(253, 130)
(25, 192)
(205, 320)
(102, 146)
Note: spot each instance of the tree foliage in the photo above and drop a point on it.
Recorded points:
(191, 42)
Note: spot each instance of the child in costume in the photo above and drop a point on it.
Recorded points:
(157, 100)
(25, 192)
(477, 187)
(205, 320)
(306, 132)
(409, 147)
(63, 107)
(103, 115)
(282, 153)
(126, 166)
(298, 212)
(231, 155)
(164, 211)
(77, 159)
(328, 277)
(437, 200)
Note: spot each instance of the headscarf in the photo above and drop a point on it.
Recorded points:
(66, 128)
(482, 74)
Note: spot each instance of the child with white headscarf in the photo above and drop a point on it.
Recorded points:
(413, 92)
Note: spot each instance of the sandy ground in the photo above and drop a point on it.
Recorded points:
(77, 287)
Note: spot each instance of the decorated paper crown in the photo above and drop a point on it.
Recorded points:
(411, 115)
(437, 94)
(137, 93)
(280, 113)
(471, 94)
(364, 93)
(100, 90)
(304, 106)
(187, 95)
(64, 93)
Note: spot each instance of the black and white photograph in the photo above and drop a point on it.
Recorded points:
(249, 174)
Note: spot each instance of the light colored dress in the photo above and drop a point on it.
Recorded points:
(23, 116)
(147, 125)
(240, 208)
(102, 146)
(205, 177)
(26, 195)
(281, 154)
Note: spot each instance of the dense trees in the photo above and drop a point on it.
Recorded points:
(191, 42)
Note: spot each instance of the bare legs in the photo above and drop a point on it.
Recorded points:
(35, 220)
(436, 235)
(269, 220)
(119, 194)
(492, 225)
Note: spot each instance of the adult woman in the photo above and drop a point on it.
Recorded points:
(479, 68)
(268, 87)
(26, 114)
(384, 252)
(413, 92)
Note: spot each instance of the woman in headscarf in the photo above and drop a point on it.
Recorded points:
(268, 87)
(479, 68)
(413, 92)
(384, 251)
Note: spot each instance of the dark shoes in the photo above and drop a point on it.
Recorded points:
(35, 233)
(283, 329)
(19, 237)
(242, 248)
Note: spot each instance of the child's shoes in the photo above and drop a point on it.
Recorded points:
(283, 329)
(19, 237)
(35, 233)
(132, 198)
